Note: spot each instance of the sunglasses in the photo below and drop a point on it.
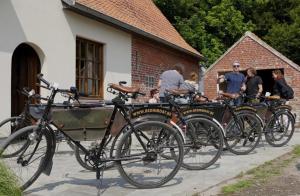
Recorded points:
(235, 66)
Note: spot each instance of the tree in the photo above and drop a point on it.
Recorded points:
(212, 26)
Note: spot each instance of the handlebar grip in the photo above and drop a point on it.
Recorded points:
(40, 77)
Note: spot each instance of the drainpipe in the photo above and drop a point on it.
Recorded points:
(201, 78)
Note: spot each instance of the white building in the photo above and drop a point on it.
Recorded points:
(86, 44)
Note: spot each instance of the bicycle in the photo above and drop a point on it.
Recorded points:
(199, 132)
(279, 122)
(202, 132)
(242, 125)
(148, 140)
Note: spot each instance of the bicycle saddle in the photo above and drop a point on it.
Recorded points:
(124, 89)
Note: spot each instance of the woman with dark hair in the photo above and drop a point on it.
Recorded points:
(253, 85)
(281, 88)
(154, 96)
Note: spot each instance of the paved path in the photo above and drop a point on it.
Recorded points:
(69, 179)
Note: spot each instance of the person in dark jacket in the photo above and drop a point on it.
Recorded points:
(279, 83)
(254, 86)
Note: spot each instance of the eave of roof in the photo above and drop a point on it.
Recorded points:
(260, 42)
(91, 13)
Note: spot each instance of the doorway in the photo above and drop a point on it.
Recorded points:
(25, 67)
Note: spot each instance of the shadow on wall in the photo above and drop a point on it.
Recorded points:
(12, 33)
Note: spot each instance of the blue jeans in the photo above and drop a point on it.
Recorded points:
(236, 102)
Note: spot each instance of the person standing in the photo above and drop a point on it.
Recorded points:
(235, 82)
(169, 80)
(254, 86)
(281, 88)
(193, 82)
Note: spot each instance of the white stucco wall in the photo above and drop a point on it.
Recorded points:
(52, 31)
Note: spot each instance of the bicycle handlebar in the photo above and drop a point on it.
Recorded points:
(40, 77)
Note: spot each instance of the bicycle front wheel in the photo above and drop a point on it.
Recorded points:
(280, 129)
(204, 143)
(34, 152)
(243, 133)
(141, 163)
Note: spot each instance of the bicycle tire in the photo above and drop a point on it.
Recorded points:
(245, 136)
(208, 136)
(42, 137)
(148, 158)
(13, 123)
(270, 130)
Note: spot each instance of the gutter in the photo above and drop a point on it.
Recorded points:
(93, 14)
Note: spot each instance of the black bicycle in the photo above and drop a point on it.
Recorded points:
(279, 122)
(242, 125)
(140, 163)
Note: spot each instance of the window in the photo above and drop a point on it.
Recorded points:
(89, 67)
(149, 81)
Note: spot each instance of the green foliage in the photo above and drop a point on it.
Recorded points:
(8, 183)
(212, 26)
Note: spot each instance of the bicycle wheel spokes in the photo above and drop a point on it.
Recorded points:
(280, 129)
(28, 152)
(147, 168)
(204, 144)
(244, 134)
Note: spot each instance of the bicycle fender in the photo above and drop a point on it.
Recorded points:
(254, 112)
(160, 118)
(48, 168)
(287, 111)
(8, 119)
(150, 111)
(208, 118)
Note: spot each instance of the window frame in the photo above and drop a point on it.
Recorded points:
(94, 62)
(148, 81)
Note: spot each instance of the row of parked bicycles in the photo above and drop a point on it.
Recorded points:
(147, 143)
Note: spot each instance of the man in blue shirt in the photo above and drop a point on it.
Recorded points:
(235, 82)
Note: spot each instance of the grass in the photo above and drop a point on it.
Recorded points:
(262, 173)
(237, 186)
(8, 185)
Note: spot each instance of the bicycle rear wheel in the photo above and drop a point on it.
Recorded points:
(9, 126)
(280, 129)
(243, 133)
(146, 168)
(204, 142)
(34, 153)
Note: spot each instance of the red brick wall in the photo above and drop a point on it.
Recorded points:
(150, 58)
(251, 54)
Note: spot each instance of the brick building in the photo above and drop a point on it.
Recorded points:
(251, 51)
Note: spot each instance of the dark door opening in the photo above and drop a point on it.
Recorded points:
(25, 66)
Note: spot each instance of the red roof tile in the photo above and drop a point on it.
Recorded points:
(141, 14)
